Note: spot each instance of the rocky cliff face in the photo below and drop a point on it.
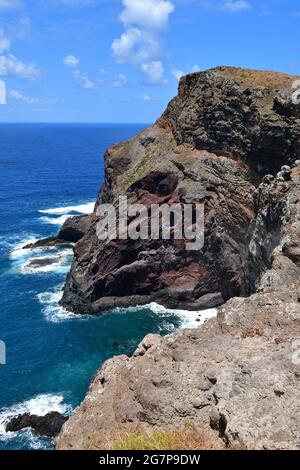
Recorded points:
(226, 129)
(237, 377)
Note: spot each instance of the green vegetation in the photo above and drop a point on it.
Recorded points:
(187, 438)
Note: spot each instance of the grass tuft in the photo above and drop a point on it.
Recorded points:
(189, 438)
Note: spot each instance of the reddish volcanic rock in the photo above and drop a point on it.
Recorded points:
(217, 138)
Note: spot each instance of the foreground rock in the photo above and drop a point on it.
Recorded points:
(236, 377)
(48, 242)
(42, 262)
(223, 132)
(75, 228)
(49, 425)
(71, 232)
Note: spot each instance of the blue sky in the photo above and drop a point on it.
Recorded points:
(120, 60)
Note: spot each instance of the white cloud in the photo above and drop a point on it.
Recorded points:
(233, 6)
(180, 73)
(154, 72)
(238, 5)
(141, 43)
(9, 4)
(2, 92)
(144, 97)
(19, 95)
(82, 79)
(10, 65)
(4, 42)
(135, 47)
(71, 61)
(120, 81)
(148, 14)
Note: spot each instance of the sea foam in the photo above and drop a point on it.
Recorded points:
(87, 208)
(51, 309)
(188, 318)
(59, 259)
(39, 406)
(54, 220)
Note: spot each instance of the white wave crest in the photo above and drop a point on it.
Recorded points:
(189, 319)
(17, 250)
(23, 259)
(87, 208)
(51, 309)
(55, 221)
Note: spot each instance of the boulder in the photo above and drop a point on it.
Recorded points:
(48, 425)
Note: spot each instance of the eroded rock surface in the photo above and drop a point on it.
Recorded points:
(225, 129)
(237, 377)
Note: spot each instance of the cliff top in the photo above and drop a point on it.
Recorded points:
(252, 78)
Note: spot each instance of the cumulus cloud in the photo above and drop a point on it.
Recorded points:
(141, 42)
(154, 73)
(71, 61)
(148, 14)
(10, 65)
(19, 95)
(135, 47)
(81, 78)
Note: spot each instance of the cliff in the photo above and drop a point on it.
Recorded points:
(230, 139)
(226, 129)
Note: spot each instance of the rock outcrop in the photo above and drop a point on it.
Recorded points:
(226, 128)
(230, 139)
(237, 378)
(71, 232)
(48, 425)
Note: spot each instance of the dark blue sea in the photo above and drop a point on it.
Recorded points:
(47, 173)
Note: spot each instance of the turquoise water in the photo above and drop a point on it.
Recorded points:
(48, 172)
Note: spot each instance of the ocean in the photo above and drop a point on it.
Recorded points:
(47, 173)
